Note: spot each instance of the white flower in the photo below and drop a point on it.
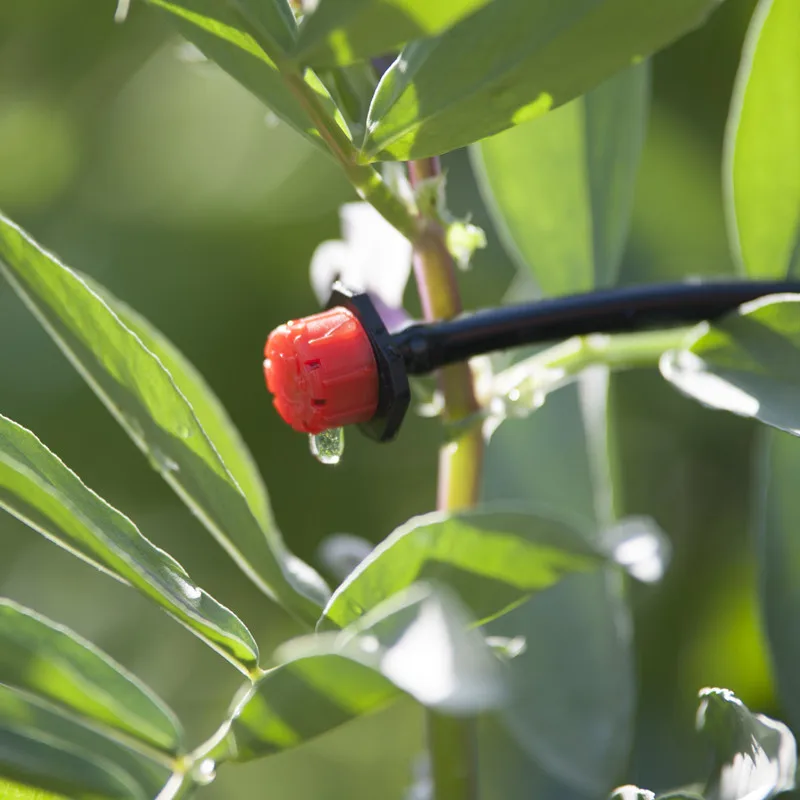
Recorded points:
(373, 257)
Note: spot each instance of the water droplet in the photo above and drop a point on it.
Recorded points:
(191, 591)
(161, 462)
(204, 772)
(327, 447)
(184, 431)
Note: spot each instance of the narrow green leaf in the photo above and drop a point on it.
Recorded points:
(41, 491)
(573, 688)
(560, 189)
(343, 31)
(230, 32)
(493, 558)
(419, 642)
(49, 661)
(762, 161)
(748, 362)
(34, 759)
(778, 547)
(754, 756)
(515, 61)
(143, 397)
(351, 88)
(16, 791)
(207, 408)
(19, 709)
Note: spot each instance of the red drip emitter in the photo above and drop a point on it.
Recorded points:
(338, 368)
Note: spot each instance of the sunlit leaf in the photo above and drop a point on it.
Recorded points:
(777, 523)
(62, 725)
(33, 759)
(762, 165)
(748, 362)
(41, 491)
(143, 397)
(207, 408)
(16, 791)
(54, 663)
(755, 757)
(494, 558)
(560, 189)
(419, 642)
(342, 31)
(515, 61)
(230, 32)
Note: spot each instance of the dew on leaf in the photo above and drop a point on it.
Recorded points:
(161, 462)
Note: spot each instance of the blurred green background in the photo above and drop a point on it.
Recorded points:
(153, 172)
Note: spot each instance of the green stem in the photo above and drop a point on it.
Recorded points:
(524, 382)
(453, 749)
(366, 180)
(452, 742)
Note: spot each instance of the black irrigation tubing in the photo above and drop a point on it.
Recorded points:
(428, 346)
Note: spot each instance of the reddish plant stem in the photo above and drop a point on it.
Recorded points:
(452, 743)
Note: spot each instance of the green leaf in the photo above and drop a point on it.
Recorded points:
(35, 760)
(573, 688)
(21, 710)
(754, 756)
(207, 408)
(51, 662)
(143, 397)
(419, 642)
(16, 791)
(351, 88)
(762, 162)
(748, 362)
(560, 189)
(493, 558)
(343, 31)
(510, 62)
(41, 491)
(777, 523)
(231, 32)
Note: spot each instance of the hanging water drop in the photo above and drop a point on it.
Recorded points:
(327, 447)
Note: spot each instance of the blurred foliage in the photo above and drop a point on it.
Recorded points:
(154, 173)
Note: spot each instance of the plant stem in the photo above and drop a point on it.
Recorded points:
(453, 749)
(452, 742)
(366, 180)
(551, 368)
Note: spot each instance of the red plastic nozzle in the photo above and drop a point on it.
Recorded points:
(322, 371)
